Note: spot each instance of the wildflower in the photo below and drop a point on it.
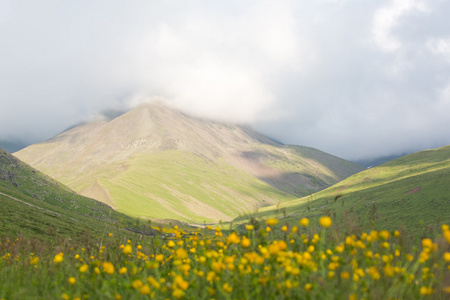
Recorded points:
(272, 222)
(284, 228)
(447, 256)
(227, 288)
(137, 284)
(127, 249)
(304, 222)
(345, 275)
(325, 221)
(58, 258)
(72, 280)
(108, 268)
(153, 282)
(245, 243)
(145, 290)
(178, 293)
(233, 239)
(249, 227)
(447, 235)
(308, 287)
(110, 234)
(65, 296)
(117, 297)
(426, 290)
(170, 244)
(34, 260)
(83, 268)
(180, 253)
(159, 257)
(384, 234)
(122, 270)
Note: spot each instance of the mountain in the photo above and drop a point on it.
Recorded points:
(34, 205)
(373, 162)
(157, 162)
(412, 191)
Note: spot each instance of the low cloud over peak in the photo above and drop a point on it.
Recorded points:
(352, 78)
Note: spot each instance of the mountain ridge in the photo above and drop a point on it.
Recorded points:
(410, 191)
(200, 158)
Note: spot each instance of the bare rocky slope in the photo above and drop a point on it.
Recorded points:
(157, 162)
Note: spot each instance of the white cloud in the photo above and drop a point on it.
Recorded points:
(388, 17)
(353, 78)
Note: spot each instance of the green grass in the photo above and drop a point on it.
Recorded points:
(380, 195)
(260, 261)
(34, 205)
(177, 185)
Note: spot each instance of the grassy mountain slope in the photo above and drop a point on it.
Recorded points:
(413, 190)
(157, 162)
(33, 204)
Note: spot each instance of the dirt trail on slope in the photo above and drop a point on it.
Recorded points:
(29, 204)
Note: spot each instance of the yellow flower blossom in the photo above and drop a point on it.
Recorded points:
(304, 222)
(127, 249)
(249, 227)
(108, 268)
(145, 290)
(272, 222)
(58, 258)
(83, 268)
(325, 221)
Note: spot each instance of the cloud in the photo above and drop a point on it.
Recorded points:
(352, 78)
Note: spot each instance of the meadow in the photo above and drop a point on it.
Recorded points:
(306, 259)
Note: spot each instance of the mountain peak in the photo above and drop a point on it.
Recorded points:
(156, 161)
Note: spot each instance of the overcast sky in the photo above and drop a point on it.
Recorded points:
(353, 78)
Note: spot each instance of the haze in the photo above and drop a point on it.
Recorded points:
(353, 78)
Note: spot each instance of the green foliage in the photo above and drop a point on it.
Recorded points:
(269, 260)
(411, 191)
(34, 205)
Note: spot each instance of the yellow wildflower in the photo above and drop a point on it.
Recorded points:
(180, 253)
(72, 280)
(227, 288)
(145, 290)
(58, 258)
(308, 287)
(83, 268)
(233, 239)
(137, 284)
(304, 222)
(245, 242)
(447, 256)
(108, 268)
(34, 260)
(325, 221)
(272, 222)
(127, 249)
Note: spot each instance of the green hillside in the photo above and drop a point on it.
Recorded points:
(413, 191)
(34, 205)
(156, 162)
